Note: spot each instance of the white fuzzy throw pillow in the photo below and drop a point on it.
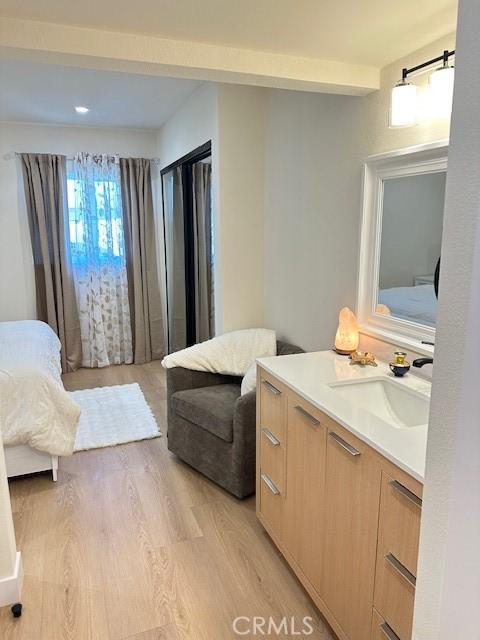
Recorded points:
(249, 381)
(230, 354)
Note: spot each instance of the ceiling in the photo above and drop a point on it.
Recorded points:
(49, 93)
(372, 32)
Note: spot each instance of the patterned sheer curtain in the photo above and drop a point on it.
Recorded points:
(98, 255)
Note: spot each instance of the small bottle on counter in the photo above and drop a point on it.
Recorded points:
(399, 365)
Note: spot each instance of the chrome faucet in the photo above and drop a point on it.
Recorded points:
(419, 362)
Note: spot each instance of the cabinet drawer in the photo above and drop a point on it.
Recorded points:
(398, 536)
(271, 503)
(400, 513)
(273, 405)
(394, 597)
(272, 457)
(381, 630)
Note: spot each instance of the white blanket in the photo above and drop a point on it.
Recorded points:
(229, 354)
(35, 409)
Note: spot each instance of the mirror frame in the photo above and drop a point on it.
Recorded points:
(426, 158)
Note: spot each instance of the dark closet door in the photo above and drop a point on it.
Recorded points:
(188, 232)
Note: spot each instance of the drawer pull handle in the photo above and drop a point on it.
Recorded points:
(270, 484)
(406, 493)
(399, 568)
(388, 632)
(269, 386)
(307, 415)
(268, 434)
(343, 443)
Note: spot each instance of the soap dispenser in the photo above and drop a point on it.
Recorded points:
(399, 366)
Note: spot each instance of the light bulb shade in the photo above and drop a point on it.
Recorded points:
(403, 105)
(441, 83)
(347, 336)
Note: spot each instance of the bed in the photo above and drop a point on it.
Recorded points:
(417, 304)
(38, 417)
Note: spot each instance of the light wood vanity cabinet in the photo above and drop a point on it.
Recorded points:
(346, 519)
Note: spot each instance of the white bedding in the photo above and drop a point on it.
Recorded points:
(35, 409)
(418, 304)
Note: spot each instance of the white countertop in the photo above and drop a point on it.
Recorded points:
(309, 375)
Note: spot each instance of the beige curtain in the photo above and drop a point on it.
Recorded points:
(202, 242)
(45, 184)
(140, 250)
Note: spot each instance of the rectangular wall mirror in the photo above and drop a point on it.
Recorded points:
(404, 194)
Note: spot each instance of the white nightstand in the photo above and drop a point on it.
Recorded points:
(423, 280)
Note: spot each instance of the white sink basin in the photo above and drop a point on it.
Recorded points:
(395, 403)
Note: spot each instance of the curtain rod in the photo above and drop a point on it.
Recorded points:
(11, 155)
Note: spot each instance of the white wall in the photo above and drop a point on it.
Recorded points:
(241, 166)
(315, 148)
(232, 118)
(17, 285)
(311, 215)
(448, 584)
(193, 124)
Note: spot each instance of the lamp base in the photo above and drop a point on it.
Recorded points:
(343, 352)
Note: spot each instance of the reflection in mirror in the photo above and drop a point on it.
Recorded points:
(411, 236)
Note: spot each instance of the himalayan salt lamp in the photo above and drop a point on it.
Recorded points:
(346, 338)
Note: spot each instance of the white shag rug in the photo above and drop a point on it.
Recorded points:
(113, 415)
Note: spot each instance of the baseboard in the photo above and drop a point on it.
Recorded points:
(11, 588)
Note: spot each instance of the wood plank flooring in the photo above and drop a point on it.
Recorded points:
(132, 544)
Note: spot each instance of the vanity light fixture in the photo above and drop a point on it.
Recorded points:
(403, 104)
(82, 110)
(403, 101)
(441, 90)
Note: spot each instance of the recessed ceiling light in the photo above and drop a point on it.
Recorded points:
(82, 109)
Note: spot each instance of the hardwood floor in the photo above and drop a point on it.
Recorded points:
(132, 544)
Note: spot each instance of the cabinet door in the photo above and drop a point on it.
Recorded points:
(303, 518)
(352, 493)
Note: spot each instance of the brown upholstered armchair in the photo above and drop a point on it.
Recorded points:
(212, 427)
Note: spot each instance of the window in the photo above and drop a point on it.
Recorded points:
(97, 248)
(95, 217)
